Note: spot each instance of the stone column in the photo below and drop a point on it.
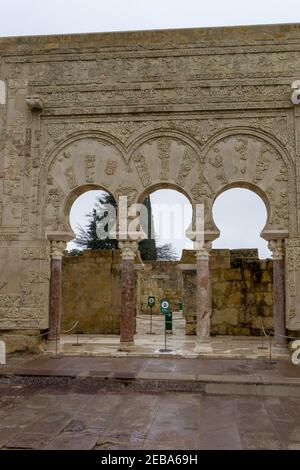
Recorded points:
(203, 299)
(277, 248)
(128, 249)
(57, 248)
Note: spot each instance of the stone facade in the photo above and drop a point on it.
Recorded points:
(198, 110)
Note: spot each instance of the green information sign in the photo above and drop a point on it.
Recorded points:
(151, 301)
(168, 321)
(165, 306)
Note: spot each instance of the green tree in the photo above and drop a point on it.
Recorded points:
(87, 238)
(166, 252)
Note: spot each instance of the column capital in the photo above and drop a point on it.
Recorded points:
(277, 248)
(128, 249)
(203, 250)
(57, 249)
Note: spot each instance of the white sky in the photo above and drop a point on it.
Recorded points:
(27, 17)
(239, 214)
(32, 17)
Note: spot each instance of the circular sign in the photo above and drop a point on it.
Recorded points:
(165, 304)
(151, 300)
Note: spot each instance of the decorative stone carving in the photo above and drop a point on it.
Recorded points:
(142, 169)
(57, 249)
(293, 282)
(276, 247)
(262, 164)
(164, 149)
(202, 250)
(201, 188)
(71, 178)
(128, 249)
(110, 168)
(187, 164)
(128, 191)
(90, 168)
(35, 103)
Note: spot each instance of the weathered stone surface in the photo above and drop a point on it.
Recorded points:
(240, 301)
(91, 292)
(200, 110)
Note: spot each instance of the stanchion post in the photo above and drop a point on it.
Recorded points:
(77, 335)
(262, 339)
(151, 303)
(271, 361)
(56, 343)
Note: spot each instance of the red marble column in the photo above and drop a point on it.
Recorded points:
(276, 246)
(127, 295)
(57, 248)
(203, 299)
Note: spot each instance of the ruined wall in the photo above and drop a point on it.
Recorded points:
(241, 291)
(161, 279)
(241, 286)
(91, 292)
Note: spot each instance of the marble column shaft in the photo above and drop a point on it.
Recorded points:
(127, 320)
(55, 290)
(276, 247)
(203, 296)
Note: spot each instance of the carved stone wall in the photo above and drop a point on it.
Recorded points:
(199, 110)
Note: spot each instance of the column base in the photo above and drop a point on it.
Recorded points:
(126, 347)
(204, 347)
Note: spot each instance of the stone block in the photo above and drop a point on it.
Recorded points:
(233, 275)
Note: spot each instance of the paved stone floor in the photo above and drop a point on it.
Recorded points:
(35, 417)
(181, 345)
(168, 367)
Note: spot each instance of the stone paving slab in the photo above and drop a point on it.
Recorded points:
(224, 376)
(55, 418)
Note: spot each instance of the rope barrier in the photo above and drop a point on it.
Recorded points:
(46, 333)
(276, 334)
(160, 318)
(68, 331)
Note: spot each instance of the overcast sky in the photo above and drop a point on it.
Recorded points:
(27, 17)
(31, 17)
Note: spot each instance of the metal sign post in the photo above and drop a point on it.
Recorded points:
(165, 309)
(151, 303)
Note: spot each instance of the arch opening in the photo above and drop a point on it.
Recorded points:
(241, 215)
(171, 212)
(171, 216)
(92, 217)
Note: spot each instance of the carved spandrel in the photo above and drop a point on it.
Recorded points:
(142, 169)
(186, 166)
(90, 168)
